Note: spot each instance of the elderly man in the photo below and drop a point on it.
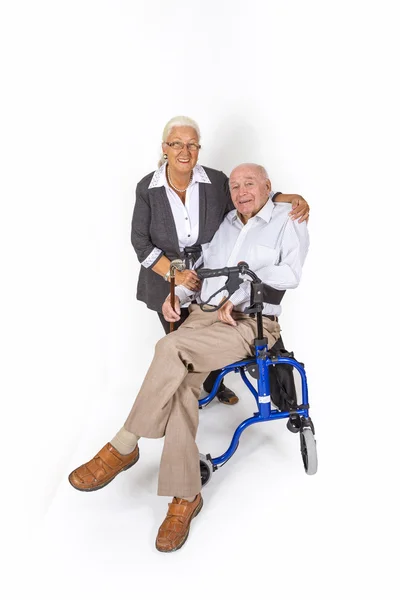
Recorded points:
(262, 234)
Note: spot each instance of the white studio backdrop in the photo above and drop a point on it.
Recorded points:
(305, 88)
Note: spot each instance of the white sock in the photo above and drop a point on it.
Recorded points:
(125, 441)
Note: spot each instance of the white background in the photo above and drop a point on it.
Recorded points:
(309, 90)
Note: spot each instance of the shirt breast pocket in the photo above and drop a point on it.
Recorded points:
(263, 256)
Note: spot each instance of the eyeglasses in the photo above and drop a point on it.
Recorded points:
(192, 147)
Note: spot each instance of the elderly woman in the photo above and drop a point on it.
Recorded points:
(178, 207)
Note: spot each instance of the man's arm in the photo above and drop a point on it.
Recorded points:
(287, 273)
(185, 294)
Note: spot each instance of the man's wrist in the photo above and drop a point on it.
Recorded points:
(241, 295)
(184, 294)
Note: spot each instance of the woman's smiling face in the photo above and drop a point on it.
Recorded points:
(182, 160)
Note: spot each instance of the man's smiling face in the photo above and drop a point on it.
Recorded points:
(249, 188)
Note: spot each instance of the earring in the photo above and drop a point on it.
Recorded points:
(165, 156)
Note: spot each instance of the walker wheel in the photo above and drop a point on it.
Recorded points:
(206, 469)
(308, 449)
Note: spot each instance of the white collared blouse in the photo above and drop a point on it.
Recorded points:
(186, 216)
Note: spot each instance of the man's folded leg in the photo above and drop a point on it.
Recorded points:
(200, 344)
(167, 404)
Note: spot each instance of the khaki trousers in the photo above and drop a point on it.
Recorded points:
(167, 403)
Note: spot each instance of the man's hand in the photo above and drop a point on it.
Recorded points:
(225, 314)
(169, 313)
(300, 209)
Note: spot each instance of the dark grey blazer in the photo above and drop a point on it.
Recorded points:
(153, 226)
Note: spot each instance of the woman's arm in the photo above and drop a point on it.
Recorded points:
(227, 194)
(148, 254)
(300, 208)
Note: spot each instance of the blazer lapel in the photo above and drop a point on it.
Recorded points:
(169, 222)
(202, 209)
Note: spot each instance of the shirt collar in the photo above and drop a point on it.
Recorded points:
(159, 178)
(265, 213)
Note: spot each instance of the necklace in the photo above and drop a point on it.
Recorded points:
(172, 185)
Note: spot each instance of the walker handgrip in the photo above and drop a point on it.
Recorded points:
(224, 272)
(232, 283)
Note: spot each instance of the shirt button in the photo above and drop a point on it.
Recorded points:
(189, 235)
(186, 219)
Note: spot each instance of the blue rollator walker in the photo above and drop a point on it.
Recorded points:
(259, 367)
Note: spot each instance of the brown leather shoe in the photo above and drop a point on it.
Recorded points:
(102, 469)
(174, 531)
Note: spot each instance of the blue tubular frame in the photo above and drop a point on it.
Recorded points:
(262, 396)
(261, 359)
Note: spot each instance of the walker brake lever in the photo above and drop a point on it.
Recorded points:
(231, 285)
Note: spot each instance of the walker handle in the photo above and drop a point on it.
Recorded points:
(231, 285)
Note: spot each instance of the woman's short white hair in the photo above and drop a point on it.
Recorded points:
(180, 121)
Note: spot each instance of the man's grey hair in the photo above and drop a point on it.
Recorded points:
(261, 170)
(180, 121)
